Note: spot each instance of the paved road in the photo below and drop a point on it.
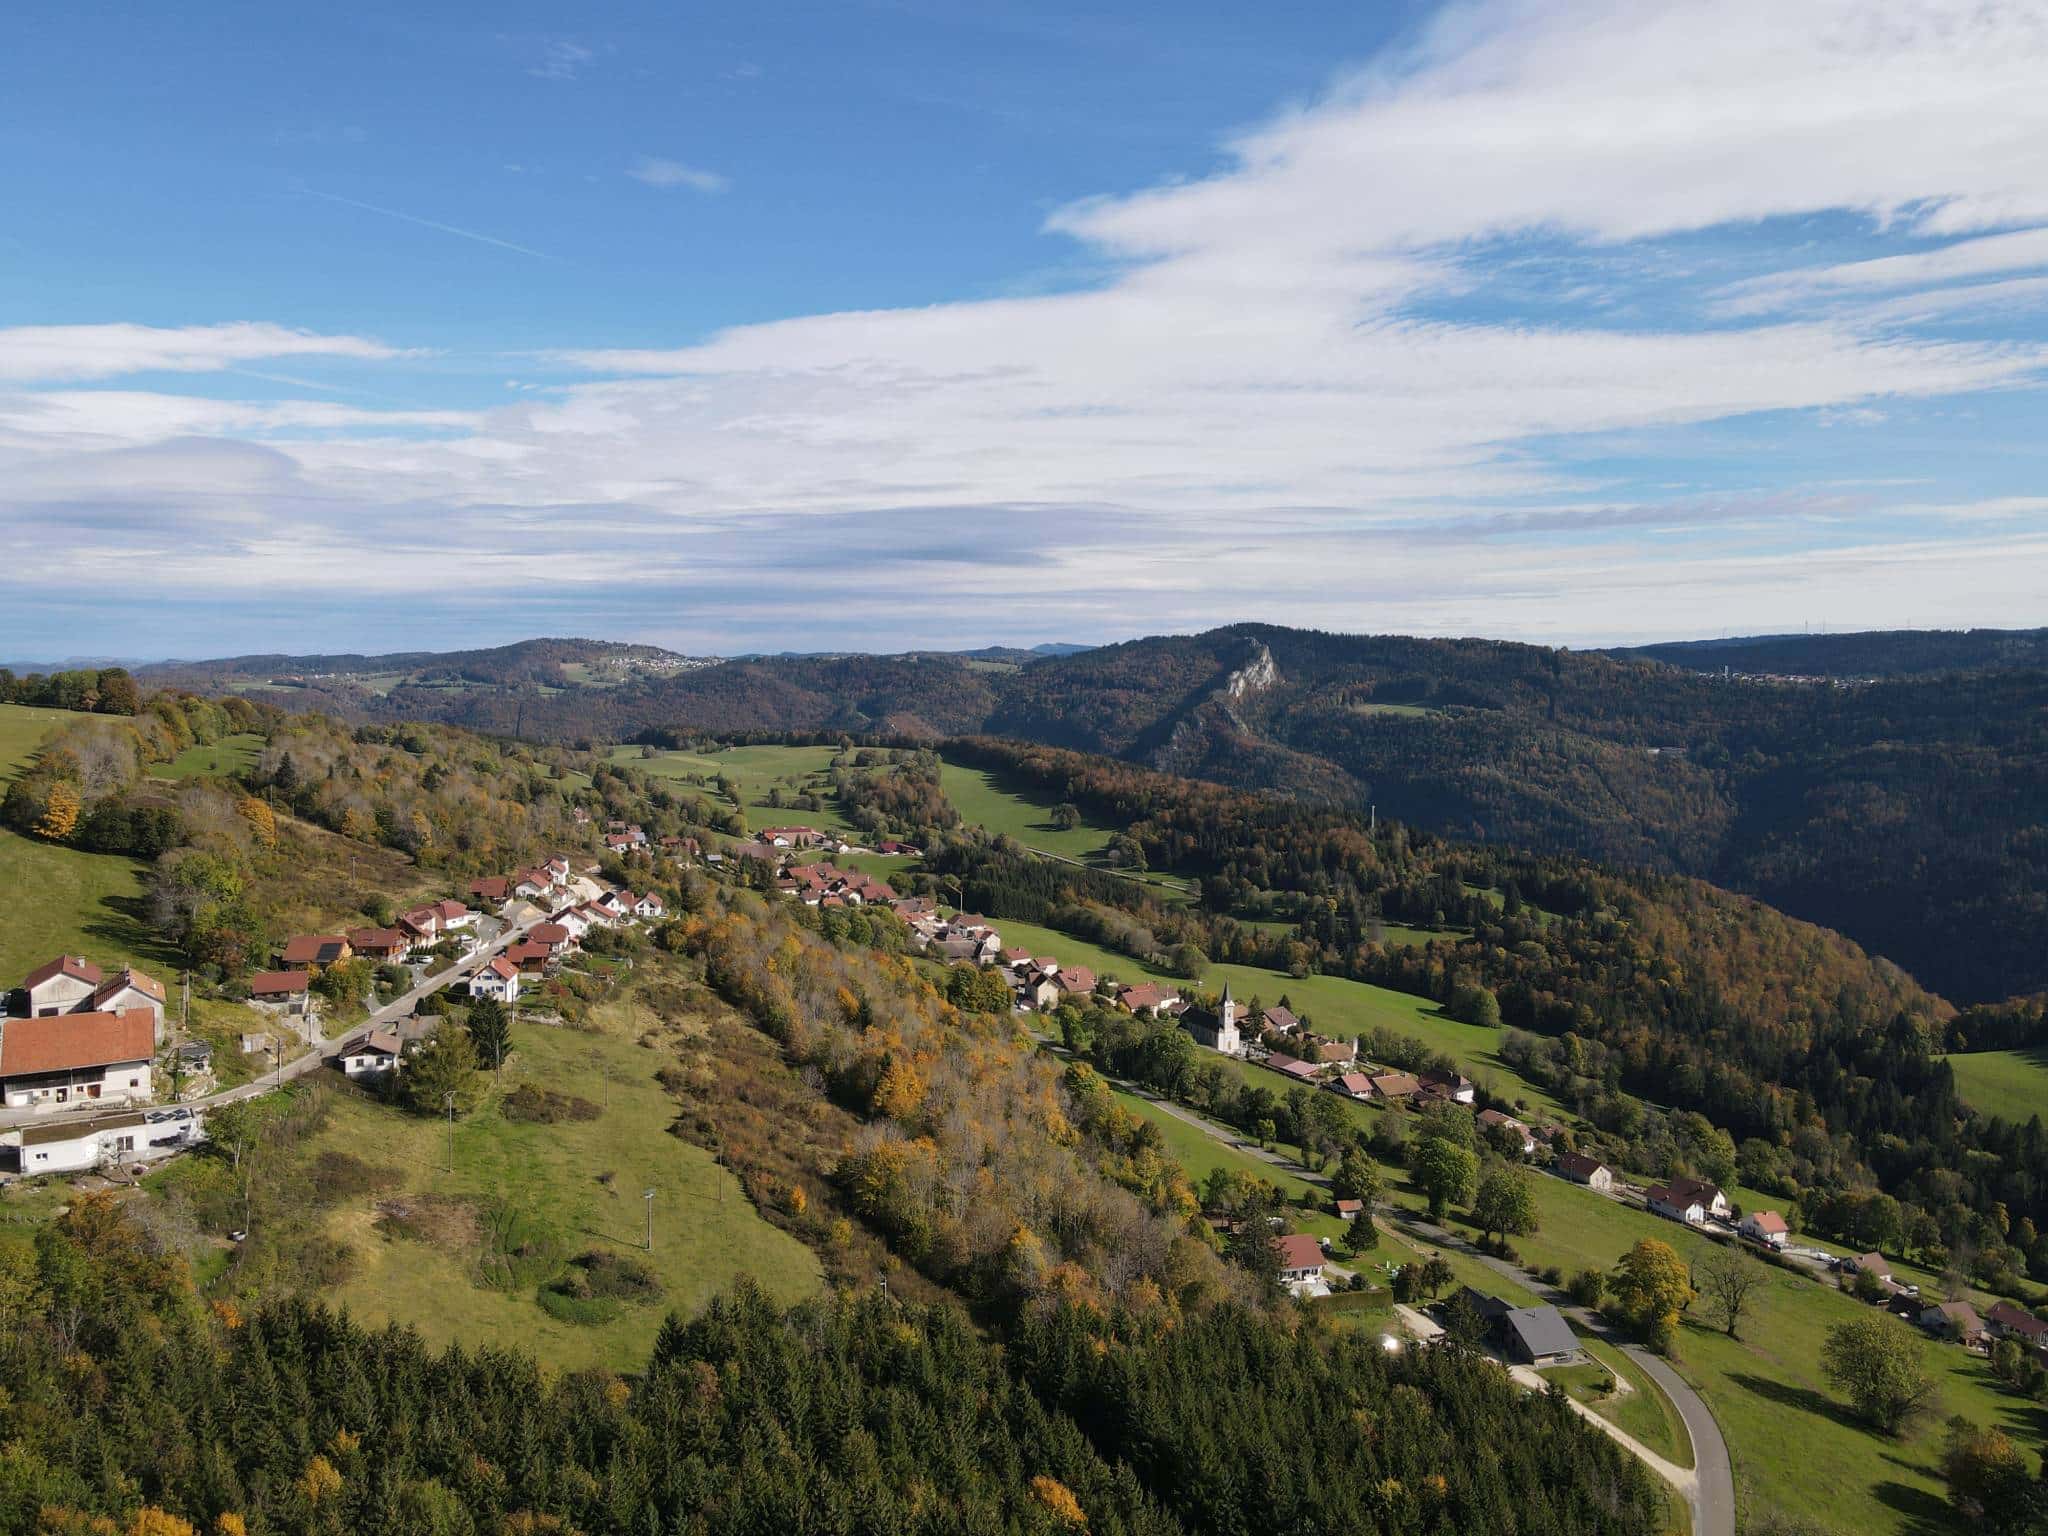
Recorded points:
(399, 1008)
(1709, 1487)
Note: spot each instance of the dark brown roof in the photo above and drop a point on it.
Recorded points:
(1299, 1251)
(278, 983)
(67, 1042)
(306, 948)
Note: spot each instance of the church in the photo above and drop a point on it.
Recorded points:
(1218, 1029)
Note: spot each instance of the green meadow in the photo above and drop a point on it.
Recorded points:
(525, 1197)
(227, 758)
(2010, 1084)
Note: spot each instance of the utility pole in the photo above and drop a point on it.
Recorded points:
(449, 1100)
(648, 1196)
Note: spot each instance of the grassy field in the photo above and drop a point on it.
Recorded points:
(70, 902)
(2013, 1084)
(1334, 1005)
(564, 1189)
(753, 771)
(1201, 1154)
(226, 758)
(980, 797)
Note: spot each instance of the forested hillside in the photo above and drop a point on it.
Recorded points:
(1907, 812)
(1873, 653)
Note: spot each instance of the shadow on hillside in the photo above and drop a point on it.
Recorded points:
(1805, 1399)
(1925, 1513)
(122, 923)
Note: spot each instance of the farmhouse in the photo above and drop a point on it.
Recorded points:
(1328, 1052)
(71, 984)
(1710, 1197)
(370, 1056)
(1077, 981)
(1353, 1085)
(1149, 998)
(1676, 1204)
(1590, 1171)
(1956, 1320)
(1493, 1117)
(1394, 1085)
(792, 837)
(1454, 1086)
(1279, 1020)
(1215, 1029)
(1289, 1066)
(1766, 1227)
(1867, 1263)
(2010, 1322)
(498, 980)
(1301, 1260)
(77, 1058)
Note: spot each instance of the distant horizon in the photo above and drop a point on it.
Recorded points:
(941, 649)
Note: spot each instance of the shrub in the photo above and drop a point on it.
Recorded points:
(545, 1106)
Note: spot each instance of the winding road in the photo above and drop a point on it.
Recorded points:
(1708, 1486)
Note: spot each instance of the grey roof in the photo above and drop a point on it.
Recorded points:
(75, 1130)
(1542, 1331)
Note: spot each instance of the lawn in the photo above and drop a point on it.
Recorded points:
(227, 758)
(1201, 1154)
(2012, 1084)
(22, 730)
(563, 1189)
(984, 799)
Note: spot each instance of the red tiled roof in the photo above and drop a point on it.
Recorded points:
(376, 938)
(1768, 1221)
(307, 947)
(491, 887)
(1299, 1251)
(74, 966)
(501, 967)
(66, 1042)
(130, 977)
(548, 933)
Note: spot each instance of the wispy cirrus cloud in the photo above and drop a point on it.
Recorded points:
(655, 171)
(562, 58)
(73, 352)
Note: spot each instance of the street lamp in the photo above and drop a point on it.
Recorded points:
(648, 1196)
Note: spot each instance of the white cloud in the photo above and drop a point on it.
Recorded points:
(673, 173)
(1986, 256)
(42, 352)
(1264, 412)
(562, 58)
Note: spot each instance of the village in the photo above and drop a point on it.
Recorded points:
(96, 1077)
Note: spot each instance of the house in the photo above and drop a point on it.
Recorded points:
(1710, 1197)
(1077, 981)
(492, 890)
(1328, 1052)
(1590, 1171)
(1289, 1066)
(1347, 1210)
(611, 904)
(285, 991)
(380, 944)
(556, 937)
(1538, 1336)
(63, 985)
(422, 923)
(1489, 1118)
(370, 1056)
(1766, 1227)
(78, 1146)
(76, 1058)
(1956, 1320)
(1215, 1029)
(1675, 1204)
(763, 853)
(574, 920)
(1149, 998)
(499, 980)
(73, 984)
(2007, 1321)
(1866, 1263)
(1353, 1085)
(454, 915)
(530, 958)
(1395, 1085)
(129, 988)
(1301, 1260)
(315, 949)
(649, 906)
(792, 837)
(1278, 1021)
(1041, 991)
(1454, 1086)
(533, 884)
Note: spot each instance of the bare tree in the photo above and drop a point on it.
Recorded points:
(1726, 1277)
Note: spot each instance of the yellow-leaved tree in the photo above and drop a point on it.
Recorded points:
(60, 813)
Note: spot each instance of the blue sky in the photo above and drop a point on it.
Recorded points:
(907, 324)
